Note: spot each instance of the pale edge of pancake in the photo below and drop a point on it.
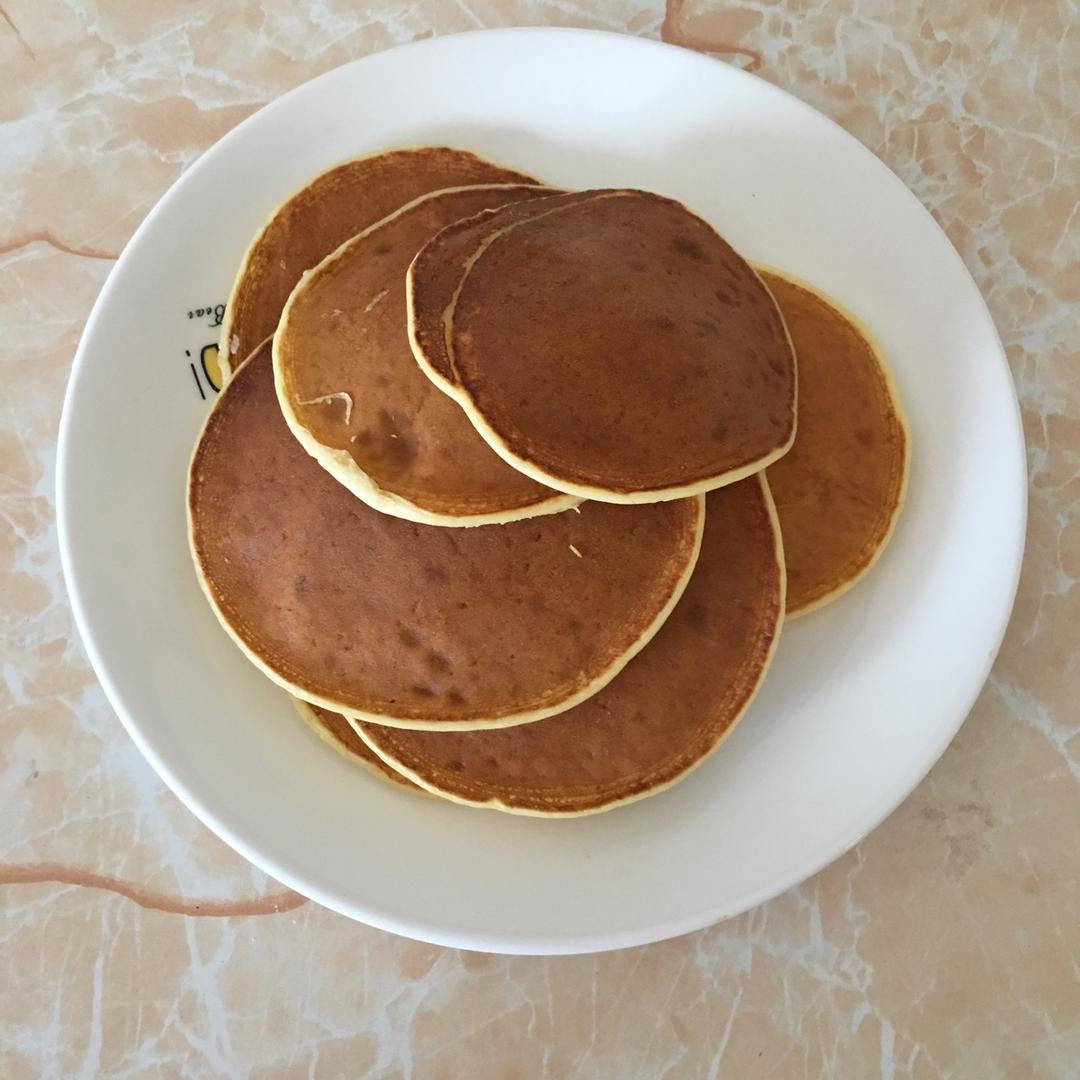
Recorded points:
(225, 353)
(450, 389)
(588, 491)
(340, 464)
(441, 725)
(496, 803)
(901, 418)
(447, 386)
(399, 780)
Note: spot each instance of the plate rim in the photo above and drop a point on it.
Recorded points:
(522, 943)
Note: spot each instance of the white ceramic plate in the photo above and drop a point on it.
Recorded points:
(864, 696)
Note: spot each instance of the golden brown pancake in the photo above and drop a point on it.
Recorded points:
(664, 713)
(437, 270)
(412, 625)
(322, 215)
(337, 732)
(840, 489)
(619, 349)
(350, 388)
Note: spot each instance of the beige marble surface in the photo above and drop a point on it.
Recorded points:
(135, 944)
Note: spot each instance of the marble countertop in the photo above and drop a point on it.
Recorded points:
(134, 943)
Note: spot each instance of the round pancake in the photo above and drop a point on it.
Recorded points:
(619, 349)
(321, 216)
(437, 270)
(336, 731)
(840, 489)
(406, 624)
(351, 390)
(665, 712)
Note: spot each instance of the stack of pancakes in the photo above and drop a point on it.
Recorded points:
(490, 487)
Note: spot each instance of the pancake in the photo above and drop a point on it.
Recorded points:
(619, 349)
(840, 489)
(336, 731)
(350, 388)
(410, 625)
(437, 270)
(664, 714)
(321, 216)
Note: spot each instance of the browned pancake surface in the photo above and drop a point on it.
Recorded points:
(321, 216)
(336, 729)
(347, 373)
(620, 347)
(437, 270)
(840, 487)
(379, 617)
(659, 717)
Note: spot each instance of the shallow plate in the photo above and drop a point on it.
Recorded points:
(864, 696)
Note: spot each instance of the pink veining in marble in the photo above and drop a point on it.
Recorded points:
(947, 944)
